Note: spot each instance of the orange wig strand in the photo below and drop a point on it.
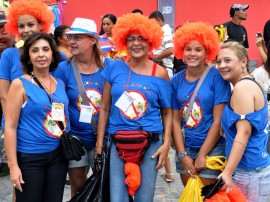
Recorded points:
(35, 8)
(139, 24)
(197, 31)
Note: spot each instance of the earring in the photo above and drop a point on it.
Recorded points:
(29, 62)
(52, 60)
(243, 72)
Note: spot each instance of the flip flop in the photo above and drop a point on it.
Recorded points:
(168, 177)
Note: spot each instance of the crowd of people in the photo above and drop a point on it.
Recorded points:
(122, 80)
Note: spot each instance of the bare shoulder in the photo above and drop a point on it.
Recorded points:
(162, 73)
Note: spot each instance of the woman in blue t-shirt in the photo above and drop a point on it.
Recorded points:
(245, 123)
(36, 118)
(197, 44)
(137, 97)
(88, 61)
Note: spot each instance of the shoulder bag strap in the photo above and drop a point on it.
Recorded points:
(82, 91)
(191, 102)
(60, 123)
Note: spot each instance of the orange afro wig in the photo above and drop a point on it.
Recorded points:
(139, 24)
(199, 31)
(35, 8)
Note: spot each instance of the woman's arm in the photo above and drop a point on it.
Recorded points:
(4, 86)
(162, 152)
(178, 139)
(15, 99)
(261, 49)
(103, 116)
(212, 137)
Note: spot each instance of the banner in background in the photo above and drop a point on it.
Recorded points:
(167, 8)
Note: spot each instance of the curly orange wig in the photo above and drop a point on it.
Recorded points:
(199, 31)
(139, 24)
(35, 8)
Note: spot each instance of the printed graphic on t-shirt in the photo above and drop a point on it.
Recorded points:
(138, 106)
(51, 126)
(94, 98)
(195, 116)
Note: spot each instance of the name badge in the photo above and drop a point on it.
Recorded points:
(58, 112)
(124, 102)
(86, 114)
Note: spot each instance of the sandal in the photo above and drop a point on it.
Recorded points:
(168, 177)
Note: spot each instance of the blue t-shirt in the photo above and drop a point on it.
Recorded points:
(93, 84)
(149, 94)
(255, 155)
(10, 64)
(213, 91)
(10, 67)
(37, 132)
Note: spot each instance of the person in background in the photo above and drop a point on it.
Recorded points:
(164, 56)
(148, 86)
(245, 123)
(32, 133)
(197, 44)
(262, 41)
(62, 41)
(137, 11)
(165, 52)
(87, 56)
(6, 41)
(235, 30)
(105, 41)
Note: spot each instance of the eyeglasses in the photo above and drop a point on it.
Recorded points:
(140, 39)
(76, 37)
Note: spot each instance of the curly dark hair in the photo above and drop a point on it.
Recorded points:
(25, 57)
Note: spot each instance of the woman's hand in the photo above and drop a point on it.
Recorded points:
(227, 178)
(188, 164)
(162, 152)
(16, 178)
(200, 163)
(98, 150)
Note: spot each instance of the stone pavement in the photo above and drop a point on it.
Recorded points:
(165, 192)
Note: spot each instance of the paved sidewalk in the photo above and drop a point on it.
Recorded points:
(165, 192)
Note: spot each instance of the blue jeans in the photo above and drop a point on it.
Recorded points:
(255, 185)
(118, 188)
(44, 176)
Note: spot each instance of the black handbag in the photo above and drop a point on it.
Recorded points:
(97, 186)
(209, 190)
(72, 146)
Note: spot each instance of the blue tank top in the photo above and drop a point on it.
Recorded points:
(37, 132)
(255, 155)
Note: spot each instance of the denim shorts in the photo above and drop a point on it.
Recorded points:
(254, 184)
(87, 159)
(218, 150)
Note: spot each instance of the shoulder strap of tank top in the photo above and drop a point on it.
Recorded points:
(154, 69)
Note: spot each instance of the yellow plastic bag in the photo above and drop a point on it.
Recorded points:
(192, 191)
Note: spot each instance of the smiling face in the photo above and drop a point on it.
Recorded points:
(27, 25)
(138, 46)
(230, 66)
(41, 54)
(80, 44)
(195, 54)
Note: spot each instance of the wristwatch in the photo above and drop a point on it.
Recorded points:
(181, 155)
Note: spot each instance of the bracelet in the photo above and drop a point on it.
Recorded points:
(181, 155)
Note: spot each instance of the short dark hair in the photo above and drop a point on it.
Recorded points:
(112, 17)
(137, 11)
(59, 32)
(157, 15)
(25, 57)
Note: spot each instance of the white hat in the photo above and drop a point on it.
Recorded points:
(83, 26)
